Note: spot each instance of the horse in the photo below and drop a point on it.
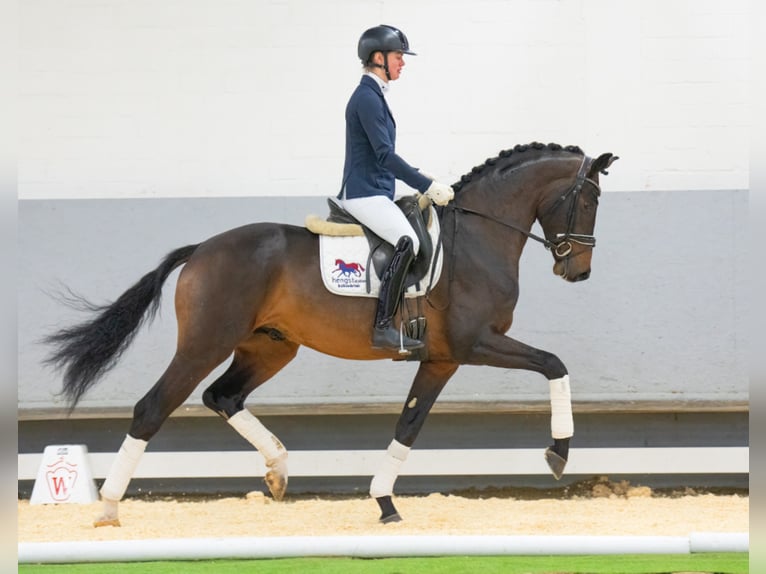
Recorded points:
(256, 292)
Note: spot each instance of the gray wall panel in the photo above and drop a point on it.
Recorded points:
(661, 319)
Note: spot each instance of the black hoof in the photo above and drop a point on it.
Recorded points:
(555, 463)
(388, 511)
(391, 518)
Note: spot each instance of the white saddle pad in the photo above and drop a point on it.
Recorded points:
(343, 264)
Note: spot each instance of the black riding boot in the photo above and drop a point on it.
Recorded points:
(384, 335)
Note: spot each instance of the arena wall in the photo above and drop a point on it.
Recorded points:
(147, 125)
(204, 98)
(660, 320)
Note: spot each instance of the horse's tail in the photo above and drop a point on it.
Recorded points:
(89, 350)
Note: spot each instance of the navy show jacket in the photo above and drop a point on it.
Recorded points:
(371, 164)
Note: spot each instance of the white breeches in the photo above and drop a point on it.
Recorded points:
(383, 216)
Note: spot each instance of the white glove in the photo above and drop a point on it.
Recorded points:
(439, 193)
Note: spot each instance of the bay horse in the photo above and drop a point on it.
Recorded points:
(256, 291)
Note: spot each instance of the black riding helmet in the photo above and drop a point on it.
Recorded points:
(384, 39)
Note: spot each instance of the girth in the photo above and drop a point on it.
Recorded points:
(381, 251)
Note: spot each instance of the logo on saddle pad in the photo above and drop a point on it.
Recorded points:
(348, 275)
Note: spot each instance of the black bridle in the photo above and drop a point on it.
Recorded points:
(561, 246)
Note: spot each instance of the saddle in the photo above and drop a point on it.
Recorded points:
(418, 213)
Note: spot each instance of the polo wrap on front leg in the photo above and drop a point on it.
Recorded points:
(259, 436)
(383, 482)
(123, 468)
(562, 423)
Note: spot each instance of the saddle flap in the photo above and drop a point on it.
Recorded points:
(418, 215)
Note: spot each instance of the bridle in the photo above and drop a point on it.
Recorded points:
(565, 240)
(561, 245)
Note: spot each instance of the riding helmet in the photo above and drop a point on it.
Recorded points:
(384, 39)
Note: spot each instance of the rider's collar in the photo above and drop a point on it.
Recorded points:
(383, 85)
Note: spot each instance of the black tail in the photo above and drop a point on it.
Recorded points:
(89, 350)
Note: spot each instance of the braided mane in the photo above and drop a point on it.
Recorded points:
(482, 169)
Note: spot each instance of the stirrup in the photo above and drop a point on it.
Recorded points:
(403, 344)
(402, 350)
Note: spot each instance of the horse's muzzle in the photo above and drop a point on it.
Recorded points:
(573, 269)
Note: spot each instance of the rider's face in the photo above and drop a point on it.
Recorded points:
(395, 64)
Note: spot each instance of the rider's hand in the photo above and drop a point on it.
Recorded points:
(439, 193)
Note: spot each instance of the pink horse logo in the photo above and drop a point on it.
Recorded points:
(347, 269)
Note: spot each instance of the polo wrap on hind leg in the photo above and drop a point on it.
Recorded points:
(123, 468)
(562, 423)
(259, 436)
(268, 445)
(383, 482)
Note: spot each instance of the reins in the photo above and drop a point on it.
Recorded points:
(547, 243)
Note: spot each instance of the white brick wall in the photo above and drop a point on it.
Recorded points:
(164, 98)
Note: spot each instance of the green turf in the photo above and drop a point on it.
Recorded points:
(725, 563)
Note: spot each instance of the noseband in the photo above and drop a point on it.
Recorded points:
(561, 246)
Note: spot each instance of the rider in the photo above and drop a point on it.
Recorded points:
(372, 165)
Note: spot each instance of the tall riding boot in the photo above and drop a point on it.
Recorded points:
(384, 335)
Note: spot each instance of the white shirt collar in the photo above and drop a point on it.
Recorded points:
(383, 85)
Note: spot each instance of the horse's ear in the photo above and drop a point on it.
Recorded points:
(601, 163)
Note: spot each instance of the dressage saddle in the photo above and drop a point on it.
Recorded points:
(381, 251)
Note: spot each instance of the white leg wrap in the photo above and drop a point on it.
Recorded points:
(562, 423)
(383, 482)
(123, 467)
(259, 436)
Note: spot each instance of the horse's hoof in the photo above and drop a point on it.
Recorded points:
(277, 483)
(103, 521)
(390, 519)
(555, 462)
(388, 511)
